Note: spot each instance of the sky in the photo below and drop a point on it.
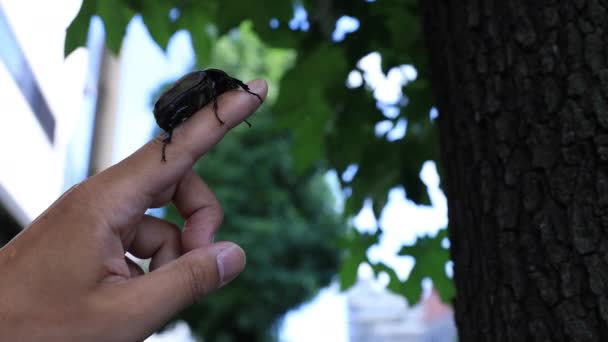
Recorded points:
(145, 66)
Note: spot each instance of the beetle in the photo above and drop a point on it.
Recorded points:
(189, 94)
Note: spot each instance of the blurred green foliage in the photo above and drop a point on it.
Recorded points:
(287, 223)
(328, 124)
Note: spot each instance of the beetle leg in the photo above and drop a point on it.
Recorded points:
(215, 110)
(246, 88)
(166, 140)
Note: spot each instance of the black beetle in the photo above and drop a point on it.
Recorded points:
(189, 94)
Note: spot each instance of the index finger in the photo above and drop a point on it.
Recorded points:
(142, 175)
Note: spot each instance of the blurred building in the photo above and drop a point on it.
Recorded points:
(377, 315)
(48, 109)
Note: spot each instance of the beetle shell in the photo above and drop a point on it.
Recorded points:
(184, 98)
(189, 94)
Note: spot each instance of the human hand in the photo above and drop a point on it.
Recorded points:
(66, 278)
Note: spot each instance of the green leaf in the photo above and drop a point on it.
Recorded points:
(352, 127)
(233, 12)
(421, 141)
(411, 165)
(431, 259)
(281, 37)
(355, 246)
(116, 16)
(76, 34)
(420, 99)
(354, 203)
(303, 105)
(199, 25)
(348, 271)
(155, 15)
(402, 35)
(395, 285)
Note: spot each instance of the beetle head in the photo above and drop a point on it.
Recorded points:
(222, 81)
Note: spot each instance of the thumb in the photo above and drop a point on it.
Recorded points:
(156, 297)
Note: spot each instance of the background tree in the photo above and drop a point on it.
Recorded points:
(522, 91)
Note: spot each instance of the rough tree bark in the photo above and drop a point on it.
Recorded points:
(522, 92)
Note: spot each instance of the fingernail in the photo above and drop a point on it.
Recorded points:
(257, 85)
(230, 263)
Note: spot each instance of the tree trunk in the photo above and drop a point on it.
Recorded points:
(522, 92)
